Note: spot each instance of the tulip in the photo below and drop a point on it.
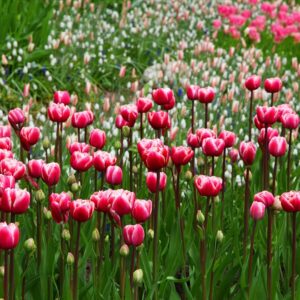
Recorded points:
(209, 186)
(122, 202)
(81, 162)
(102, 200)
(193, 140)
(151, 181)
(29, 136)
(143, 105)
(277, 146)
(133, 235)
(6, 181)
(206, 96)
(158, 120)
(204, 133)
(81, 119)
(228, 137)
(265, 197)
(257, 210)
(97, 138)
(213, 147)
(5, 131)
(79, 147)
(16, 118)
(60, 206)
(10, 236)
(266, 115)
(141, 210)
(170, 104)
(273, 85)
(192, 92)
(181, 155)
(5, 143)
(253, 82)
(156, 158)
(114, 175)
(58, 112)
(271, 133)
(290, 120)
(62, 97)
(102, 160)
(13, 167)
(129, 113)
(5, 154)
(15, 201)
(247, 151)
(35, 167)
(162, 96)
(234, 155)
(51, 173)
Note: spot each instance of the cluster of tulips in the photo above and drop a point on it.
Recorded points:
(120, 210)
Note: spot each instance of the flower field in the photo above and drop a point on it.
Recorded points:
(149, 149)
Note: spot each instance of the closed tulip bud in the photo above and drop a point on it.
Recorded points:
(257, 210)
(118, 145)
(135, 169)
(141, 210)
(138, 276)
(181, 155)
(15, 201)
(265, 197)
(70, 259)
(124, 250)
(206, 95)
(150, 234)
(29, 245)
(71, 179)
(188, 175)
(46, 143)
(29, 136)
(81, 210)
(151, 181)
(290, 201)
(266, 115)
(114, 175)
(66, 235)
(273, 85)
(51, 173)
(277, 146)
(10, 236)
(162, 96)
(247, 151)
(126, 131)
(144, 105)
(62, 97)
(39, 196)
(47, 214)
(75, 187)
(220, 236)
(80, 161)
(253, 82)
(208, 185)
(213, 146)
(133, 235)
(97, 138)
(95, 235)
(200, 217)
(290, 120)
(2, 271)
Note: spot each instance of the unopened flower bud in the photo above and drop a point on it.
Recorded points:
(151, 234)
(124, 250)
(106, 240)
(39, 196)
(134, 169)
(66, 235)
(2, 271)
(47, 214)
(71, 179)
(96, 235)
(117, 145)
(200, 217)
(46, 143)
(29, 245)
(70, 259)
(126, 131)
(75, 187)
(220, 236)
(188, 175)
(138, 276)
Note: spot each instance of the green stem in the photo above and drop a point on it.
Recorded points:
(76, 259)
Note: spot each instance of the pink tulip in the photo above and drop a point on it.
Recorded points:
(97, 138)
(35, 167)
(13, 167)
(62, 97)
(81, 210)
(114, 175)
(15, 201)
(257, 210)
(102, 160)
(79, 147)
(60, 206)
(273, 85)
(247, 151)
(144, 105)
(277, 146)
(133, 235)
(209, 186)
(29, 136)
(162, 96)
(290, 201)
(81, 161)
(265, 197)
(213, 146)
(151, 181)
(58, 112)
(10, 236)
(51, 173)
(253, 82)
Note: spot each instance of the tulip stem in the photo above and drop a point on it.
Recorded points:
(112, 242)
(212, 273)
(101, 246)
(141, 162)
(155, 242)
(136, 289)
(251, 258)
(56, 149)
(274, 176)
(223, 186)
(95, 180)
(12, 266)
(75, 269)
(246, 210)
(39, 231)
(293, 254)
(206, 115)
(194, 188)
(62, 263)
(272, 99)
(288, 173)
(130, 160)
(132, 266)
(266, 160)
(269, 254)
(60, 146)
(78, 135)
(250, 116)
(193, 116)
(121, 150)
(6, 273)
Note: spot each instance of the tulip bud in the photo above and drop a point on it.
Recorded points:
(2, 271)
(138, 276)
(39, 196)
(117, 145)
(96, 235)
(188, 175)
(124, 250)
(134, 169)
(106, 240)
(46, 143)
(75, 187)
(66, 235)
(70, 194)
(71, 179)
(47, 214)
(29, 245)
(200, 217)
(220, 236)
(126, 131)
(70, 259)
(150, 234)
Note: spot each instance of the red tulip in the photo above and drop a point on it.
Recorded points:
(273, 85)
(60, 206)
(151, 181)
(169, 105)
(114, 175)
(51, 173)
(247, 151)
(81, 119)
(283, 109)
(213, 146)
(271, 134)
(97, 138)
(79, 147)
(5, 143)
(35, 167)
(58, 112)
(290, 201)
(16, 118)
(15, 201)
(141, 210)
(102, 200)
(11, 166)
(257, 123)
(5, 154)
(181, 155)
(193, 140)
(6, 181)
(122, 202)
(80, 161)
(81, 210)
(133, 235)
(145, 144)
(143, 105)
(234, 155)
(257, 210)
(266, 115)
(253, 82)
(209, 186)
(192, 92)
(265, 197)
(228, 137)
(277, 146)
(62, 97)
(290, 120)
(204, 133)
(129, 113)
(10, 236)
(206, 95)
(5, 131)
(102, 160)
(120, 122)
(162, 96)
(158, 119)
(29, 136)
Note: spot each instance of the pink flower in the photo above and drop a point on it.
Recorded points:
(257, 210)
(151, 181)
(114, 175)
(265, 197)
(133, 235)
(209, 186)
(141, 210)
(10, 236)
